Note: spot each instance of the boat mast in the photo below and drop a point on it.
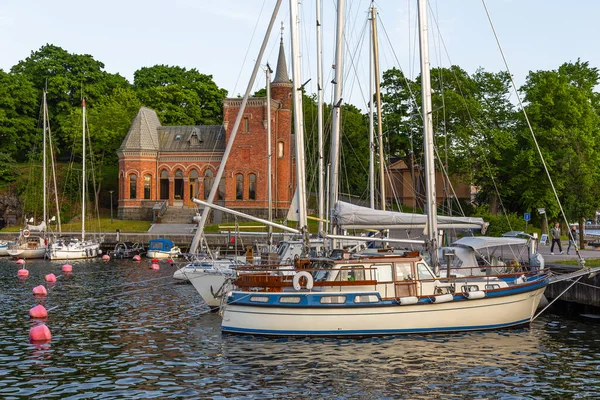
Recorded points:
(83, 177)
(45, 122)
(320, 116)
(431, 206)
(335, 123)
(298, 116)
(378, 99)
(371, 123)
(269, 156)
(215, 187)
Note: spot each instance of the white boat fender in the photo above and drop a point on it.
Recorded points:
(303, 274)
(404, 301)
(444, 298)
(520, 280)
(476, 294)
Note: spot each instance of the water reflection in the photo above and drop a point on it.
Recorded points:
(121, 330)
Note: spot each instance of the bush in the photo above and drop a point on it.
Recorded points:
(500, 224)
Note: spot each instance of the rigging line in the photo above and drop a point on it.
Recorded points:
(352, 56)
(556, 298)
(527, 120)
(447, 177)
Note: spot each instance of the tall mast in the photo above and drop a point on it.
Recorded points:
(378, 99)
(371, 123)
(83, 177)
(269, 157)
(335, 124)
(215, 187)
(44, 190)
(298, 117)
(431, 206)
(320, 116)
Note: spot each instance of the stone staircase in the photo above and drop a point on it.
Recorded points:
(178, 215)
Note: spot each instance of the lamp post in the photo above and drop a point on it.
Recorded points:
(111, 208)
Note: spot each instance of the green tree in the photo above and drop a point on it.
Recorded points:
(180, 96)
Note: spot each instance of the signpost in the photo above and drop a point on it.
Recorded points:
(526, 217)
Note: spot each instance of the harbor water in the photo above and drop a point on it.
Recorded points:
(122, 330)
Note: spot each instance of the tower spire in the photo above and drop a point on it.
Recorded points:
(281, 73)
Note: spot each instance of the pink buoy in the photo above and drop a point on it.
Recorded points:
(40, 334)
(67, 268)
(23, 273)
(106, 257)
(20, 261)
(50, 278)
(40, 291)
(155, 261)
(38, 312)
(155, 266)
(137, 257)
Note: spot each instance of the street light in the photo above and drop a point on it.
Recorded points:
(111, 212)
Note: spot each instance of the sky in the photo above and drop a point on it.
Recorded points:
(222, 38)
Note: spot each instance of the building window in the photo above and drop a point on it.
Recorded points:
(209, 180)
(147, 186)
(164, 185)
(193, 184)
(252, 187)
(178, 184)
(246, 125)
(279, 149)
(132, 186)
(239, 187)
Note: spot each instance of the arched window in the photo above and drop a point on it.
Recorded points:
(252, 187)
(209, 180)
(239, 187)
(132, 186)
(280, 150)
(164, 185)
(193, 184)
(147, 186)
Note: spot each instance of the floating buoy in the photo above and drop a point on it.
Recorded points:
(40, 290)
(170, 261)
(106, 257)
(50, 278)
(137, 257)
(20, 261)
(67, 268)
(155, 266)
(40, 334)
(23, 273)
(38, 311)
(155, 261)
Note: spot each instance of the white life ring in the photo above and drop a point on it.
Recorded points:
(26, 233)
(303, 274)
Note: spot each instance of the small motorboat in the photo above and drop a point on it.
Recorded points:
(127, 250)
(162, 248)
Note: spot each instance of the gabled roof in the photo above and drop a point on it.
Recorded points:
(143, 134)
(192, 138)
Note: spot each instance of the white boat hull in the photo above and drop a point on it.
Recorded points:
(207, 283)
(464, 315)
(28, 253)
(75, 251)
(161, 255)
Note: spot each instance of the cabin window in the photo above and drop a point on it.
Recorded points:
(147, 186)
(259, 299)
(280, 150)
(404, 272)
(289, 299)
(133, 186)
(383, 273)
(469, 288)
(366, 298)
(239, 187)
(333, 299)
(352, 274)
(492, 286)
(252, 187)
(424, 272)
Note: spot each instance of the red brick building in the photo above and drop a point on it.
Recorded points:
(173, 164)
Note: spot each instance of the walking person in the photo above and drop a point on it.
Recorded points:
(555, 234)
(572, 238)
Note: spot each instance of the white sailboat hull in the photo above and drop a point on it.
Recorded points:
(207, 283)
(453, 316)
(28, 253)
(75, 251)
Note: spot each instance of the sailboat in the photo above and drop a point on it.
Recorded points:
(36, 245)
(74, 248)
(384, 293)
